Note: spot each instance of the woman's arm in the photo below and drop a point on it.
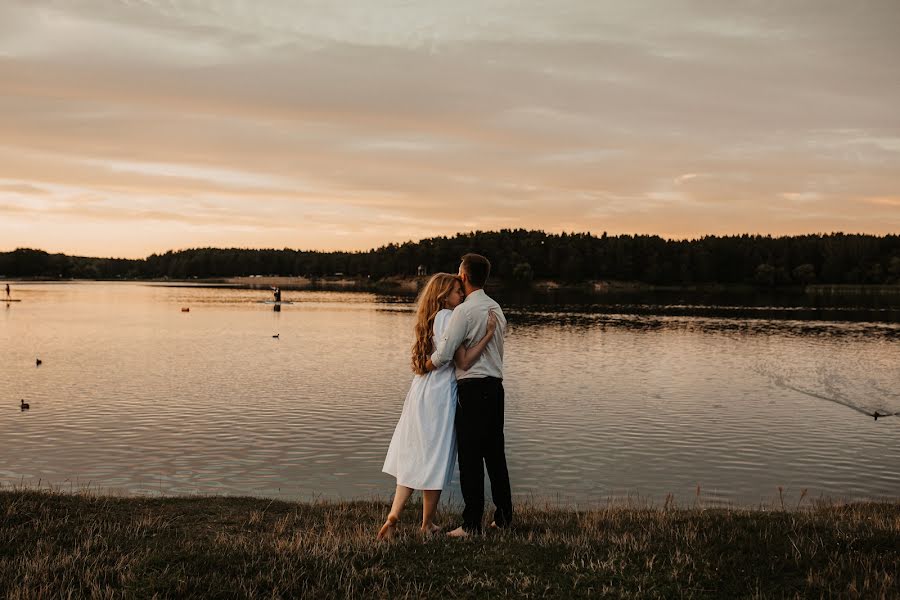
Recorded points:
(464, 357)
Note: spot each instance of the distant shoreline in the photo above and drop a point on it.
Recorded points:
(524, 259)
(406, 285)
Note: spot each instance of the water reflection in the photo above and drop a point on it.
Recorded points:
(138, 396)
(726, 298)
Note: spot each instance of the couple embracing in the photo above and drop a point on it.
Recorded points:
(455, 403)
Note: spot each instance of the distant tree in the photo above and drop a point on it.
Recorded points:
(522, 274)
(874, 273)
(833, 258)
(894, 268)
(804, 274)
(765, 274)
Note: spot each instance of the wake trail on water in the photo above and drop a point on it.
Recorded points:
(842, 401)
(869, 398)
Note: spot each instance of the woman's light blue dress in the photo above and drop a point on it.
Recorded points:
(423, 450)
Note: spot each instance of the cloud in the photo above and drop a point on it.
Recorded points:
(678, 118)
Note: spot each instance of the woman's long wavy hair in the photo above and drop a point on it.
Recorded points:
(429, 304)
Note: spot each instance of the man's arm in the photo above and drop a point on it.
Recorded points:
(453, 336)
(466, 357)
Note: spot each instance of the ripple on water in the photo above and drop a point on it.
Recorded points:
(137, 396)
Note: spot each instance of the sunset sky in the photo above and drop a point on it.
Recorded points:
(136, 126)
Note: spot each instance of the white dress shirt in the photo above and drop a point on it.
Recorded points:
(468, 324)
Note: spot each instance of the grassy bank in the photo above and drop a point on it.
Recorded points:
(52, 545)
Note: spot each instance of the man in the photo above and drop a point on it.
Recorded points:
(479, 410)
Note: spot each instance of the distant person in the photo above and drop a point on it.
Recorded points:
(423, 448)
(277, 294)
(479, 412)
(7, 291)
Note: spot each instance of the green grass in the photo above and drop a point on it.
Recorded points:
(56, 545)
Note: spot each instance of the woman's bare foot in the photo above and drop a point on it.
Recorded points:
(430, 529)
(389, 529)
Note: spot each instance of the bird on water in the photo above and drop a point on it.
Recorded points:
(24, 405)
(38, 362)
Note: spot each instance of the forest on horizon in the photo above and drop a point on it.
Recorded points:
(520, 256)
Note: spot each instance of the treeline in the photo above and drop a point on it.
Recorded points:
(520, 256)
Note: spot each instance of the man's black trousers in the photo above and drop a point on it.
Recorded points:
(480, 443)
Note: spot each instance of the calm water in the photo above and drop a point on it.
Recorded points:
(137, 396)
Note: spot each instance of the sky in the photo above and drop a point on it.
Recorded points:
(129, 127)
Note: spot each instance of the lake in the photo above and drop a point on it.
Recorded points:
(602, 402)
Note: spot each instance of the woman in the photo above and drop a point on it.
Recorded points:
(423, 449)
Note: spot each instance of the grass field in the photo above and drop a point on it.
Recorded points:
(55, 545)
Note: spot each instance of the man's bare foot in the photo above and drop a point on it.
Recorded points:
(459, 532)
(430, 529)
(389, 529)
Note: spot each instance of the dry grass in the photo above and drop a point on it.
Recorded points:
(55, 545)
